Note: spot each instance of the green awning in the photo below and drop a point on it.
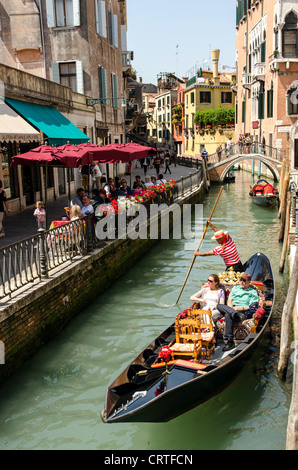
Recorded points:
(56, 127)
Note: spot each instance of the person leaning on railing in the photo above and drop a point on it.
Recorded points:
(3, 205)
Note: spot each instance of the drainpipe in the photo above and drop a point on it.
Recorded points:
(39, 7)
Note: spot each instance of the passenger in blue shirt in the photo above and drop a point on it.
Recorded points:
(239, 302)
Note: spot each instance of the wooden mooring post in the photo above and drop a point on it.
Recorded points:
(286, 321)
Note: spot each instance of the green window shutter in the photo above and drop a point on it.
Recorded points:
(243, 111)
(270, 103)
(263, 52)
(249, 63)
(261, 106)
(114, 80)
(103, 84)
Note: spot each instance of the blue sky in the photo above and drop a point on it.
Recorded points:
(156, 27)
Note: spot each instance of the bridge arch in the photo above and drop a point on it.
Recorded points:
(266, 160)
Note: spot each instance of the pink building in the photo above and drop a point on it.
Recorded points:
(267, 63)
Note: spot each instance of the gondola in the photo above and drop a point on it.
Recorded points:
(264, 194)
(155, 389)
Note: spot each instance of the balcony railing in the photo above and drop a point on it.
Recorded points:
(126, 60)
(260, 71)
(246, 79)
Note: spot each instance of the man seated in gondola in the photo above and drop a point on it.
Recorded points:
(243, 301)
(227, 249)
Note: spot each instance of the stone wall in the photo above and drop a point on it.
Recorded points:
(32, 317)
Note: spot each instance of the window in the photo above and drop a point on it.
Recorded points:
(61, 13)
(292, 100)
(69, 74)
(205, 97)
(103, 84)
(290, 39)
(192, 97)
(100, 17)
(64, 12)
(226, 97)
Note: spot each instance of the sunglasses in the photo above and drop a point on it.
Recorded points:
(244, 280)
(210, 280)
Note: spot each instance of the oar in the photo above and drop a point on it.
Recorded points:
(202, 238)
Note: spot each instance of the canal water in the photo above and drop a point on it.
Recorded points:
(55, 400)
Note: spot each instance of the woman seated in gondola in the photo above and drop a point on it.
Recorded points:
(210, 296)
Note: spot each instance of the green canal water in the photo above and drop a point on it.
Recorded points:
(55, 400)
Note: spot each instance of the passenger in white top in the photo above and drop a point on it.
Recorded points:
(160, 179)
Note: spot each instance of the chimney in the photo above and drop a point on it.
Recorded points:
(215, 58)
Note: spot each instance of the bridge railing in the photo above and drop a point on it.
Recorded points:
(251, 148)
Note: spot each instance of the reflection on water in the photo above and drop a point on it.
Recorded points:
(55, 401)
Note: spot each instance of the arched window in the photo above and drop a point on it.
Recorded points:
(290, 38)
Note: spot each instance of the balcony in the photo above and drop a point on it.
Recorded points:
(126, 60)
(260, 71)
(246, 80)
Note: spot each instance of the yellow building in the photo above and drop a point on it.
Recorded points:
(209, 91)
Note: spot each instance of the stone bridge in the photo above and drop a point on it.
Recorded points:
(218, 169)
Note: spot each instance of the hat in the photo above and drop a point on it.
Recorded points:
(219, 234)
(246, 276)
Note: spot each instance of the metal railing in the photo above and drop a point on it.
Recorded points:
(250, 148)
(36, 257)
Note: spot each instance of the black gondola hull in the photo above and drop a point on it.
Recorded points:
(163, 396)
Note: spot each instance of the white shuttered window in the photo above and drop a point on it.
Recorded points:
(101, 19)
(63, 13)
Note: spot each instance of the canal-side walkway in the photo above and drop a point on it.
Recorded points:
(23, 225)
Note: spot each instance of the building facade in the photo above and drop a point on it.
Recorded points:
(267, 65)
(80, 44)
(209, 110)
(68, 57)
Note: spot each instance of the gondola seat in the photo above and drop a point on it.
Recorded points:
(187, 338)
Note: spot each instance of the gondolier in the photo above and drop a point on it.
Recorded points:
(227, 249)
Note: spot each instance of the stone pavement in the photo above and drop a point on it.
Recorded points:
(23, 225)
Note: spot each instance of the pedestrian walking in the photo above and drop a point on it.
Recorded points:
(145, 165)
(229, 144)
(3, 205)
(167, 162)
(157, 163)
(40, 214)
(219, 151)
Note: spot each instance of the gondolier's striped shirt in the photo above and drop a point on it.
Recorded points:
(229, 254)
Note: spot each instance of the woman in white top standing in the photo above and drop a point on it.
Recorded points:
(209, 297)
